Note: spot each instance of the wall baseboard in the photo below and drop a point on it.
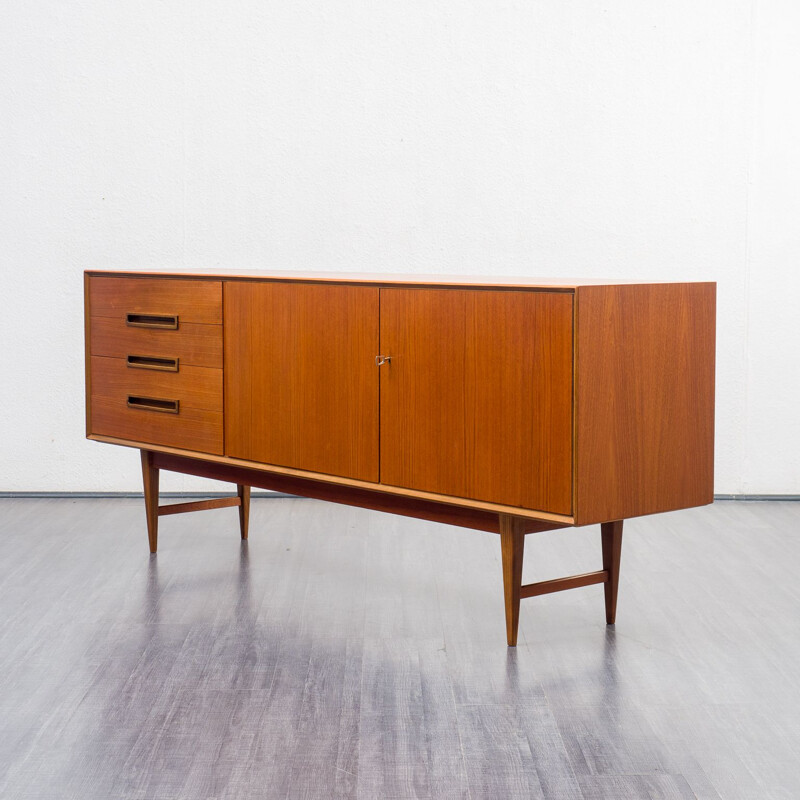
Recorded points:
(138, 495)
(757, 497)
(263, 494)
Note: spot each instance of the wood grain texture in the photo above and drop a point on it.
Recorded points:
(194, 301)
(87, 353)
(644, 392)
(566, 284)
(198, 505)
(498, 761)
(243, 491)
(611, 536)
(512, 544)
(476, 402)
(562, 584)
(301, 385)
(290, 666)
(195, 345)
(376, 500)
(393, 765)
(536, 517)
(479, 409)
(636, 787)
(195, 387)
(199, 430)
(150, 483)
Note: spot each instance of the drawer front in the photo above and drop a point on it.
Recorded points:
(156, 303)
(191, 344)
(193, 387)
(189, 429)
(178, 409)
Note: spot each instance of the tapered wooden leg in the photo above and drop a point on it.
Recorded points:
(512, 544)
(150, 478)
(244, 509)
(611, 533)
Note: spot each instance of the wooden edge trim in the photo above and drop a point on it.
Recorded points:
(518, 282)
(575, 401)
(87, 352)
(354, 279)
(272, 474)
(561, 584)
(353, 496)
(198, 505)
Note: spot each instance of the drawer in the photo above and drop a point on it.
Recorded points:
(192, 344)
(157, 303)
(177, 409)
(190, 429)
(192, 387)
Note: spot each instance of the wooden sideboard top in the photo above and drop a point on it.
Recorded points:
(389, 279)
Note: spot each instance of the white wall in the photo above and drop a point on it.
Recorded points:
(634, 138)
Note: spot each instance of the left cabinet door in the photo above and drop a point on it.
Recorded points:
(301, 385)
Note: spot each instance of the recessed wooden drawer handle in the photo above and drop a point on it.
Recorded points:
(152, 362)
(167, 321)
(153, 404)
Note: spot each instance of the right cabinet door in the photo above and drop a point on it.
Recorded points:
(476, 401)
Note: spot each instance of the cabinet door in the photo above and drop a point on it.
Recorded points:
(301, 386)
(477, 399)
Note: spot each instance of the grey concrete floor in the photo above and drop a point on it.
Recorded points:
(346, 653)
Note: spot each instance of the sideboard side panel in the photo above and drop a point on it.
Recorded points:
(644, 388)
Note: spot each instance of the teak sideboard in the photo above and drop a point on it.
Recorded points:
(504, 405)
